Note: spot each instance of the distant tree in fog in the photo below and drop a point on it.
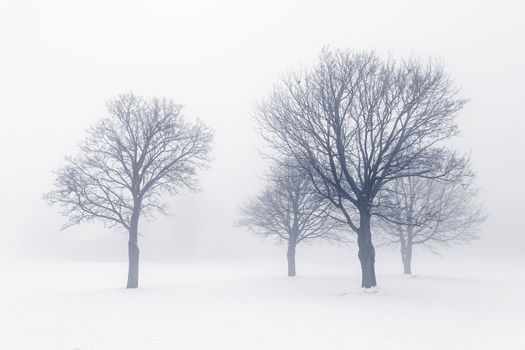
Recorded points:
(355, 122)
(430, 213)
(127, 162)
(290, 210)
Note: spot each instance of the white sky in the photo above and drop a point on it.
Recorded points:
(61, 60)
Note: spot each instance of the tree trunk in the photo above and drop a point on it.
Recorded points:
(293, 236)
(406, 250)
(366, 252)
(133, 252)
(406, 266)
(291, 259)
(407, 259)
(133, 266)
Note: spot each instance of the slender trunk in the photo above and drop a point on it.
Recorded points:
(290, 255)
(407, 259)
(293, 236)
(366, 251)
(406, 250)
(133, 252)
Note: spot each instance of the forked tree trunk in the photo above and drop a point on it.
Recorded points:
(133, 252)
(290, 255)
(366, 252)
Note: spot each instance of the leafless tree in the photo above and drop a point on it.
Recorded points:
(428, 212)
(291, 210)
(355, 122)
(127, 162)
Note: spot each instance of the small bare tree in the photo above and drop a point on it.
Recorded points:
(291, 210)
(430, 213)
(127, 162)
(355, 122)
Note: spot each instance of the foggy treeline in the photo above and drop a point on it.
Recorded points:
(359, 144)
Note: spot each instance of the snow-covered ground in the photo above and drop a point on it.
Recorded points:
(252, 306)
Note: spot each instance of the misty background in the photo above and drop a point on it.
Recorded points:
(61, 60)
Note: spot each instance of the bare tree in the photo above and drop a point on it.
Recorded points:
(428, 212)
(127, 162)
(355, 122)
(291, 210)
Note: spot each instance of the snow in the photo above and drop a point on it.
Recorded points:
(80, 306)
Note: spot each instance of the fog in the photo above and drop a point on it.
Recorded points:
(60, 61)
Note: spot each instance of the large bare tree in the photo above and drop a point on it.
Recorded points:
(430, 213)
(354, 122)
(291, 210)
(127, 162)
